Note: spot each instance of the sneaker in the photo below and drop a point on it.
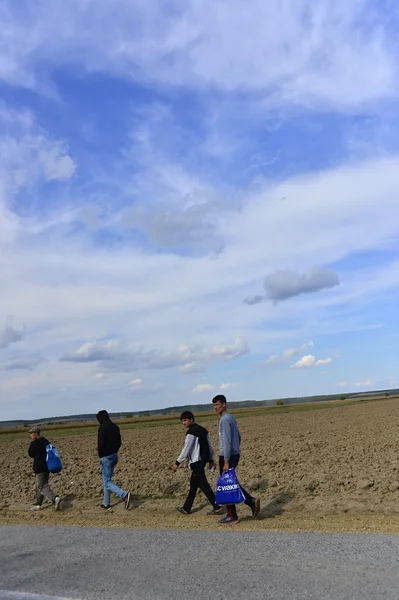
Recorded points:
(255, 508)
(36, 507)
(57, 502)
(182, 510)
(105, 506)
(228, 520)
(216, 511)
(126, 500)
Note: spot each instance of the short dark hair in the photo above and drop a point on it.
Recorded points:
(187, 414)
(219, 398)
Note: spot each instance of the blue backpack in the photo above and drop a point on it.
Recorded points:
(53, 459)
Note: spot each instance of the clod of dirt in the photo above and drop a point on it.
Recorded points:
(365, 484)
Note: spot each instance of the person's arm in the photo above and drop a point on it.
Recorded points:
(211, 451)
(101, 441)
(227, 437)
(184, 454)
(119, 439)
(31, 450)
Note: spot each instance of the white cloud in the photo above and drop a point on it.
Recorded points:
(228, 386)
(228, 352)
(203, 387)
(306, 361)
(314, 54)
(115, 355)
(56, 162)
(323, 361)
(367, 383)
(342, 384)
(191, 367)
(10, 334)
(136, 382)
(286, 355)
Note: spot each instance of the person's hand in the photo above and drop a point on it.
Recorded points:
(174, 468)
(226, 466)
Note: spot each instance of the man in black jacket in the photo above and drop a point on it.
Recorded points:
(109, 442)
(198, 451)
(37, 451)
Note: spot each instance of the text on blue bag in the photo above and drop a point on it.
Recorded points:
(228, 489)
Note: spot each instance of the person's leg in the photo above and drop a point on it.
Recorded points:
(40, 481)
(188, 504)
(108, 464)
(250, 501)
(204, 486)
(46, 491)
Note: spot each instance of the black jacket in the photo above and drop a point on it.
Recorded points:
(37, 451)
(109, 439)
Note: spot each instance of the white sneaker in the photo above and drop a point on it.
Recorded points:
(57, 503)
(36, 507)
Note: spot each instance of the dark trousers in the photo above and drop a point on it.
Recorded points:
(199, 480)
(233, 464)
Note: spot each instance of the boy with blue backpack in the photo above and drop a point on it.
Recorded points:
(40, 449)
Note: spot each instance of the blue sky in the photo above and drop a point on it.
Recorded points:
(196, 198)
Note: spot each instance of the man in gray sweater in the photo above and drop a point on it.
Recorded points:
(229, 456)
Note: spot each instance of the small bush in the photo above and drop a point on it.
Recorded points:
(279, 403)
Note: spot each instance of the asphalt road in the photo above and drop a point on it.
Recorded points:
(107, 564)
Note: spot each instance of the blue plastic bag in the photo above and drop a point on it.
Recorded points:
(228, 489)
(53, 459)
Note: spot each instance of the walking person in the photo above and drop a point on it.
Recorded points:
(37, 451)
(109, 443)
(229, 456)
(198, 451)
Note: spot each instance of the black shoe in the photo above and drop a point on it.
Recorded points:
(216, 511)
(182, 510)
(126, 500)
(255, 508)
(105, 506)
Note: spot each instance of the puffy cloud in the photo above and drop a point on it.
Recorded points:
(323, 361)
(10, 334)
(231, 351)
(56, 162)
(305, 362)
(191, 367)
(228, 386)
(203, 387)
(286, 355)
(114, 355)
(136, 382)
(285, 284)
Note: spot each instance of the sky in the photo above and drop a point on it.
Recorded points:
(196, 198)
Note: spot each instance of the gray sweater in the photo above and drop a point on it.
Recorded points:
(229, 436)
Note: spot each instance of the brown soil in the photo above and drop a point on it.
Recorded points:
(326, 470)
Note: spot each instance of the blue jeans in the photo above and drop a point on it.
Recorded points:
(108, 464)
